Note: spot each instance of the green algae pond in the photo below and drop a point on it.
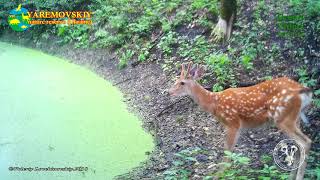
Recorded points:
(62, 121)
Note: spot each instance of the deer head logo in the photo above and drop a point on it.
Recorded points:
(288, 154)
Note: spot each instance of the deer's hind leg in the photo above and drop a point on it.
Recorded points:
(287, 122)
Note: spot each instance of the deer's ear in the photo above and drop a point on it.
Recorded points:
(182, 72)
(193, 70)
(199, 72)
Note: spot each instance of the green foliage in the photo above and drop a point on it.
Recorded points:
(309, 81)
(248, 55)
(144, 52)
(266, 159)
(309, 8)
(166, 26)
(211, 5)
(178, 171)
(304, 77)
(316, 100)
(118, 22)
(313, 171)
(220, 64)
(267, 78)
(233, 168)
(313, 7)
(270, 172)
(143, 25)
(247, 62)
(182, 16)
(239, 168)
(124, 58)
(105, 39)
(166, 43)
(196, 50)
(76, 34)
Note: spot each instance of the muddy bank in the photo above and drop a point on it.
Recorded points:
(175, 123)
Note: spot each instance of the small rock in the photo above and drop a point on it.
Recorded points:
(212, 166)
(196, 176)
(202, 158)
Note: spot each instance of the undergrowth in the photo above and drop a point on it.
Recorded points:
(239, 167)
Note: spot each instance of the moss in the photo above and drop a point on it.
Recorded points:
(228, 7)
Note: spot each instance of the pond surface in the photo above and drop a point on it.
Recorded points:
(57, 114)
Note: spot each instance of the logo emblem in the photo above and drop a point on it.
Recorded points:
(288, 154)
(18, 19)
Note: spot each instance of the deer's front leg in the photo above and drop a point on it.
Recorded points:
(232, 134)
(231, 140)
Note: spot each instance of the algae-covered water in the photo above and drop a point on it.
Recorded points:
(54, 114)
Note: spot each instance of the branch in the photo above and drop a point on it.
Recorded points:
(120, 82)
(168, 107)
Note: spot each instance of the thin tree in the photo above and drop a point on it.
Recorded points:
(227, 15)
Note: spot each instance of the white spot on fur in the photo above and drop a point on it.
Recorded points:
(287, 98)
(280, 109)
(283, 91)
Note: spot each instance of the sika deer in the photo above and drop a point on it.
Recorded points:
(281, 100)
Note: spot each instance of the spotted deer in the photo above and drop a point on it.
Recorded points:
(280, 100)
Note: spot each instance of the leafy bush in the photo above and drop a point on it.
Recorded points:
(220, 64)
(144, 52)
(238, 168)
(183, 158)
(235, 167)
(211, 5)
(124, 58)
(304, 78)
(167, 42)
(196, 50)
(310, 8)
(76, 34)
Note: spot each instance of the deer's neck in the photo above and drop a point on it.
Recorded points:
(203, 97)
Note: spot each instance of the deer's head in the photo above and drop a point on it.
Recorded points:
(187, 79)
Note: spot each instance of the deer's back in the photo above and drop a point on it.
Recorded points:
(255, 104)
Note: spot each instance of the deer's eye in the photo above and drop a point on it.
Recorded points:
(181, 83)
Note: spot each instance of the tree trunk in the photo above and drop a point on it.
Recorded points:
(228, 11)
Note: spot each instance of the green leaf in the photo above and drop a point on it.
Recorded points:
(226, 164)
(244, 160)
(228, 153)
(191, 159)
(317, 92)
(264, 178)
(208, 178)
(178, 163)
(242, 177)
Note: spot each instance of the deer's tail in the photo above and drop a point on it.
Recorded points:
(306, 99)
